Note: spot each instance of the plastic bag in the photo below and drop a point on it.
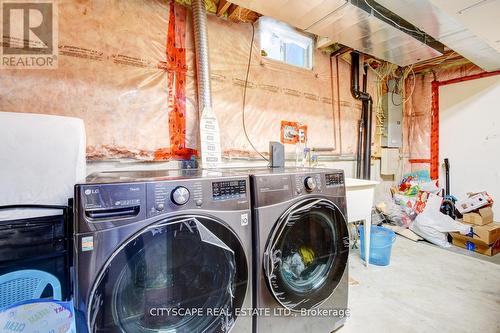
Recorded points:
(433, 225)
(429, 187)
(395, 214)
(397, 210)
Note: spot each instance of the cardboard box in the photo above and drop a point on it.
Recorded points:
(488, 234)
(475, 245)
(481, 217)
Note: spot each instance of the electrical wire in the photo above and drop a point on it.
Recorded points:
(382, 71)
(418, 31)
(403, 79)
(245, 95)
(401, 82)
(413, 87)
(437, 61)
(385, 71)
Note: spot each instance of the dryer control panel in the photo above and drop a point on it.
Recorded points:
(309, 183)
(319, 183)
(334, 179)
(273, 188)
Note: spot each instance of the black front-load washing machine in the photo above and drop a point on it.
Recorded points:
(162, 251)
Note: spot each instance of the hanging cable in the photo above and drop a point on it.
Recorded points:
(401, 82)
(417, 31)
(245, 95)
(383, 70)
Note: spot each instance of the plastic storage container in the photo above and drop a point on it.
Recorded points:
(381, 240)
(32, 237)
(38, 243)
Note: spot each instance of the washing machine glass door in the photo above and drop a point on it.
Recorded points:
(306, 254)
(186, 274)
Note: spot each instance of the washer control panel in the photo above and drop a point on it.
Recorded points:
(309, 183)
(112, 196)
(110, 202)
(227, 190)
(180, 195)
(168, 196)
(165, 197)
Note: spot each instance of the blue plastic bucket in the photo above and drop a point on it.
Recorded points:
(381, 240)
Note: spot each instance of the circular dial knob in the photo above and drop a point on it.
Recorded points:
(180, 195)
(310, 183)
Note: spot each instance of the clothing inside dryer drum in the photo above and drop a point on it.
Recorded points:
(168, 273)
(307, 251)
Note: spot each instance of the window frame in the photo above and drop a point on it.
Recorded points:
(266, 27)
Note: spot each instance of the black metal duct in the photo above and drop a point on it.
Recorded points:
(363, 157)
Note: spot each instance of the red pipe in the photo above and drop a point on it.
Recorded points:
(435, 131)
(469, 78)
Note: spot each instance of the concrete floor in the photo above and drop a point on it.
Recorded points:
(494, 259)
(424, 289)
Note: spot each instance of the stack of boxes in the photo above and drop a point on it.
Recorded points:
(484, 237)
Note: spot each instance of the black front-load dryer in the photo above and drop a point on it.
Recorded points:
(301, 249)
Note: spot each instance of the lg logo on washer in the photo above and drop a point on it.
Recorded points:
(91, 191)
(92, 198)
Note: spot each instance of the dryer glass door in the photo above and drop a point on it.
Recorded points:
(306, 254)
(187, 274)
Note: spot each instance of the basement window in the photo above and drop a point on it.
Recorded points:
(281, 42)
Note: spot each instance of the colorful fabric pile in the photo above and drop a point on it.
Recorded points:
(409, 198)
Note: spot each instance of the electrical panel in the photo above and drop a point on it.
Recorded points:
(392, 105)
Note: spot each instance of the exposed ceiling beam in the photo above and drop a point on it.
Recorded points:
(239, 14)
(233, 11)
(222, 7)
(447, 60)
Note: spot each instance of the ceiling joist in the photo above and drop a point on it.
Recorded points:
(222, 7)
